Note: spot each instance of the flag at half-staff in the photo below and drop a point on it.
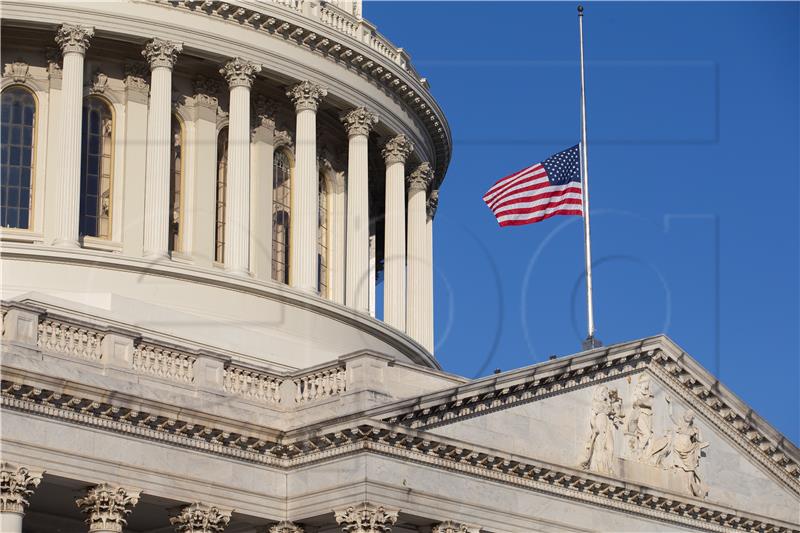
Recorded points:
(540, 191)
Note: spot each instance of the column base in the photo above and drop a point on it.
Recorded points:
(239, 272)
(66, 243)
(156, 256)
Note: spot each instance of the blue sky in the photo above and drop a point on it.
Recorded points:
(693, 159)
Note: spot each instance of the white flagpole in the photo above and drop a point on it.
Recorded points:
(590, 341)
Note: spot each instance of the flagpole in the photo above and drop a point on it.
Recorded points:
(590, 341)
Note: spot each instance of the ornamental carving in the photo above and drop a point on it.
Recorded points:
(206, 91)
(454, 527)
(359, 121)
(16, 486)
(433, 204)
(17, 71)
(606, 416)
(397, 149)
(162, 53)
(264, 111)
(286, 527)
(136, 73)
(53, 56)
(107, 506)
(240, 72)
(639, 420)
(283, 138)
(306, 95)
(99, 82)
(366, 518)
(73, 38)
(421, 178)
(200, 518)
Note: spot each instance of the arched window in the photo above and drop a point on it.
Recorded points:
(281, 215)
(96, 165)
(17, 139)
(222, 169)
(176, 185)
(322, 238)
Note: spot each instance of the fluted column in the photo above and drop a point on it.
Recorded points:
(239, 74)
(395, 153)
(200, 518)
(303, 273)
(73, 40)
(106, 507)
(366, 518)
(416, 314)
(161, 56)
(16, 486)
(358, 124)
(429, 340)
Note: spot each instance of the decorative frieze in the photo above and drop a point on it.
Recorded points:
(321, 384)
(397, 149)
(306, 95)
(69, 339)
(162, 53)
(359, 121)
(18, 71)
(200, 518)
(605, 417)
(163, 363)
(73, 38)
(16, 486)
(421, 178)
(286, 527)
(239, 72)
(366, 518)
(106, 507)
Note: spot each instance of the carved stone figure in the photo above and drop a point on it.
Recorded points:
(688, 446)
(606, 416)
(639, 422)
(366, 518)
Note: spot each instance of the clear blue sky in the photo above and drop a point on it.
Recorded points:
(694, 167)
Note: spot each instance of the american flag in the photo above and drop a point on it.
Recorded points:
(540, 191)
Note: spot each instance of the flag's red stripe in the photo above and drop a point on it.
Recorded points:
(505, 180)
(533, 197)
(543, 207)
(520, 222)
(535, 172)
(539, 182)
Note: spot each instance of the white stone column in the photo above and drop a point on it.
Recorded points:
(416, 317)
(161, 55)
(306, 97)
(366, 518)
(73, 40)
(16, 486)
(200, 518)
(106, 507)
(433, 204)
(240, 74)
(395, 153)
(262, 151)
(358, 123)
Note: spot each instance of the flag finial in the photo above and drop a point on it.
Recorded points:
(580, 10)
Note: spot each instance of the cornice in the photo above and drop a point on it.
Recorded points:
(391, 440)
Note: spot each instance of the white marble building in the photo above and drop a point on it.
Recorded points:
(197, 199)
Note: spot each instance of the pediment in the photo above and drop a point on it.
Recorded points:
(649, 416)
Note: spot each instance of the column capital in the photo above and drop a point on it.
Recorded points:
(16, 486)
(162, 53)
(285, 527)
(433, 204)
(397, 149)
(454, 527)
(366, 518)
(306, 95)
(421, 178)
(74, 38)
(239, 72)
(106, 506)
(359, 121)
(200, 518)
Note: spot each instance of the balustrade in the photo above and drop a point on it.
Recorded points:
(60, 337)
(321, 384)
(163, 363)
(252, 385)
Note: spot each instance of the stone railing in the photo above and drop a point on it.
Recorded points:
(320, 384)
(61, 337)
(252, 385)
(163, 363)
